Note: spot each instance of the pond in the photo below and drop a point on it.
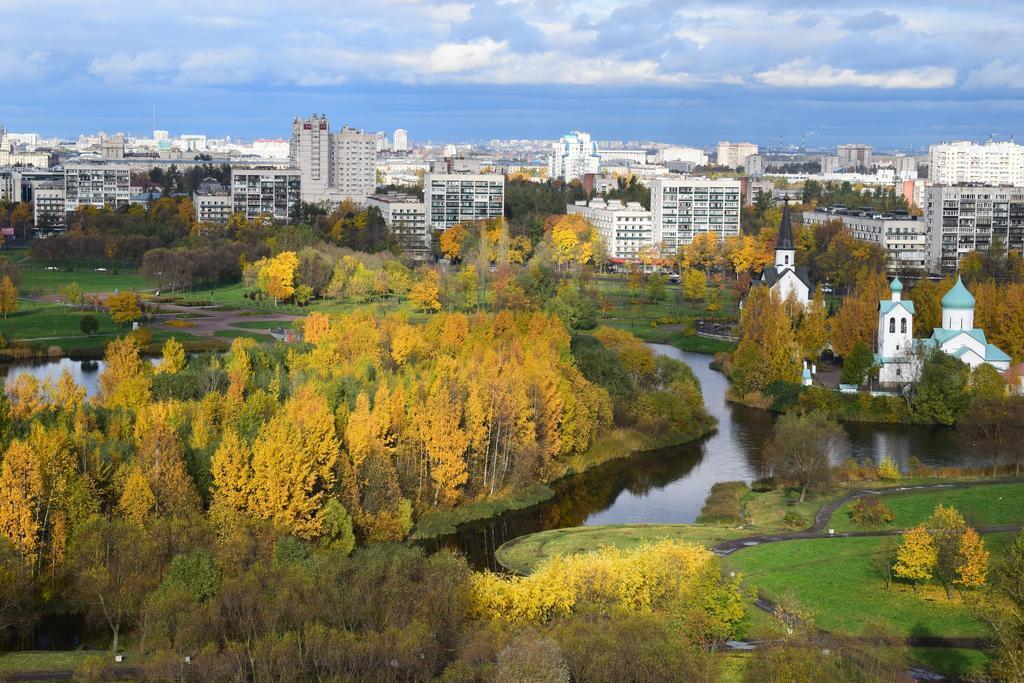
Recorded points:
(669, 486)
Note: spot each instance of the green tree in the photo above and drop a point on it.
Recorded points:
(858, 365)
(943, 391)
(800, 447)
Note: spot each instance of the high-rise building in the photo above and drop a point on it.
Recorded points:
(966, 218)
(625, 228)
(48, 206)
(400, 140)
(406, 216)
(382, 141)
(994, 163)
(904, 237)
(97, 184)
(829, 163)
(160, 135)
(458, 197)
(310, 153)
(573, 156)
(754, 164)
(353, 164)
(270, 192)
(684, 207)
(733, 154)
(112, 147)
(854, 157)
(212, 202)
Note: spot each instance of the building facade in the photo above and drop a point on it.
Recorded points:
(684, 207)
(400, 140)
(212, 202)
(994, 163)
(266, 192)
(353, 163)
(785, 278)
(734, 154)
(691, 155)
(966, 218)
(48, 206)
(573, 156)
(406, 216)
(97, 184)
(904, 237)
(309, 151)
(829, 163)
(452, 198)
(624, 228)
(755, 164)
(854, 157)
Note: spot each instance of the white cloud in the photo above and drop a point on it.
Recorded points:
(220, 67)
(996, 74)
(23, 66)
(800, 73)
(459, 57)
(121, 67)
(701, 39)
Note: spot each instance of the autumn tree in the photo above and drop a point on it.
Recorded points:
(768, 350)
(695, 284)
(857, 318)
(276, 276)
(425, 295)
(960, 558)
(173, 360)
(71, 293)
(137, 501)
(123, 307)
(812, 332)
(124, 381)
(451, 241)
(1005, 614)
(161, 462)
(800, 448)
(8, 296)
(916, 556)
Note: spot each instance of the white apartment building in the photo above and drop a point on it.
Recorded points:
(458, 197)
(829, 163)
(406, 216)
(353, 163)
(624, 228)
(97, 184)
(400, 140)
(573, 156)
(994, 163)
(854, 157)
(265, 192)
(734, 154)
(966, 218)
(691, 155)
(755, 164)
(382, 141)
(270, 148)
(904, 237)
(48, 204)
(682, 207)
(630, 156)
(212, 202)
(310, 152)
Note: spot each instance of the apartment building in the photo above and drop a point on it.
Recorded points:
(904, 237)
(994, 163)
(854, 157)
(829, 163)
(734, 154)
(691, 155)
(406, 217)
(755, 164)
(452, 198)
(97, 184)
(684, 207)
(266, 192)
(966, 218)
(310, 151)
(353, 163)
(573, 156)
(212, 202)
(400, 140)
(624, 228)
(48, 205)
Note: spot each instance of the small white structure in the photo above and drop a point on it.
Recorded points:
(785, 277)
(895, 337)
(959, 338)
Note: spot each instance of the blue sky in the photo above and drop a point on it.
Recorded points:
(895, 74)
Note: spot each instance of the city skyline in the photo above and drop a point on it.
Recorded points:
(887, 75)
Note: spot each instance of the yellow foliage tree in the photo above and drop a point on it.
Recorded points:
(21, 488)
(425, 295)
(276, 276)
(125, 380)
(451, 241)
(231, 470)
(123, 307)
(26, 397)
(442, 435)
(812, 333)
(137, 500)
(173, 360)
(695, 284)
(916, 557)
(316, 327)
(972, 568)
(8, 296)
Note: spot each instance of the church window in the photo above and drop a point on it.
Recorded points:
(892, 325)
(903, 325)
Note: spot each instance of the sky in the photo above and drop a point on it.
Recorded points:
(900, 74)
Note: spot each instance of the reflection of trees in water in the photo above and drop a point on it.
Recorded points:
(576, 498)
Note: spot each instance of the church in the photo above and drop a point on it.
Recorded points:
(957, 337)
(785, 277)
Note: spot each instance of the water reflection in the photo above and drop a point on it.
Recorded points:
(85, 372)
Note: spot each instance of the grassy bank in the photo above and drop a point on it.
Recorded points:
(444, 522)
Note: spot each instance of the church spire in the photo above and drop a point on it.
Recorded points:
(784, 240)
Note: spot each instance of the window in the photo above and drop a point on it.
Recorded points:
(903, 325)
(892, 325)
(787, 259)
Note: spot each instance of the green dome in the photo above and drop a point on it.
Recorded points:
(896, 285)
(958, 297)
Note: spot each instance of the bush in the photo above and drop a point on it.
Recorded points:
(142, 336)
(888, 470)
(870, 512)
(92, 668)
(763, 485)
(724, 504)
(89, 324)
(794, 520)
(783, 395)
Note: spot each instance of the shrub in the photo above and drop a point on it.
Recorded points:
(888, 470)
(763, 485)
(92, 668)
(89, 324)
(870, 511)
(142, 336)
(783, 395)
(724, 503)
(794, 520)
(179, 323)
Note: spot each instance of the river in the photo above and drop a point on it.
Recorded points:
(669, 486)
(664, 487)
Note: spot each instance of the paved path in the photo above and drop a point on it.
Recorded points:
(218, 321)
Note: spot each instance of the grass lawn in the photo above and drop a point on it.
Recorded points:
(37, 280)
(980, 506)
(837, 581)
(956, 662)
(232, 334)
(34, 661)
(262, 324)
(34, 319)
(523, 554)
